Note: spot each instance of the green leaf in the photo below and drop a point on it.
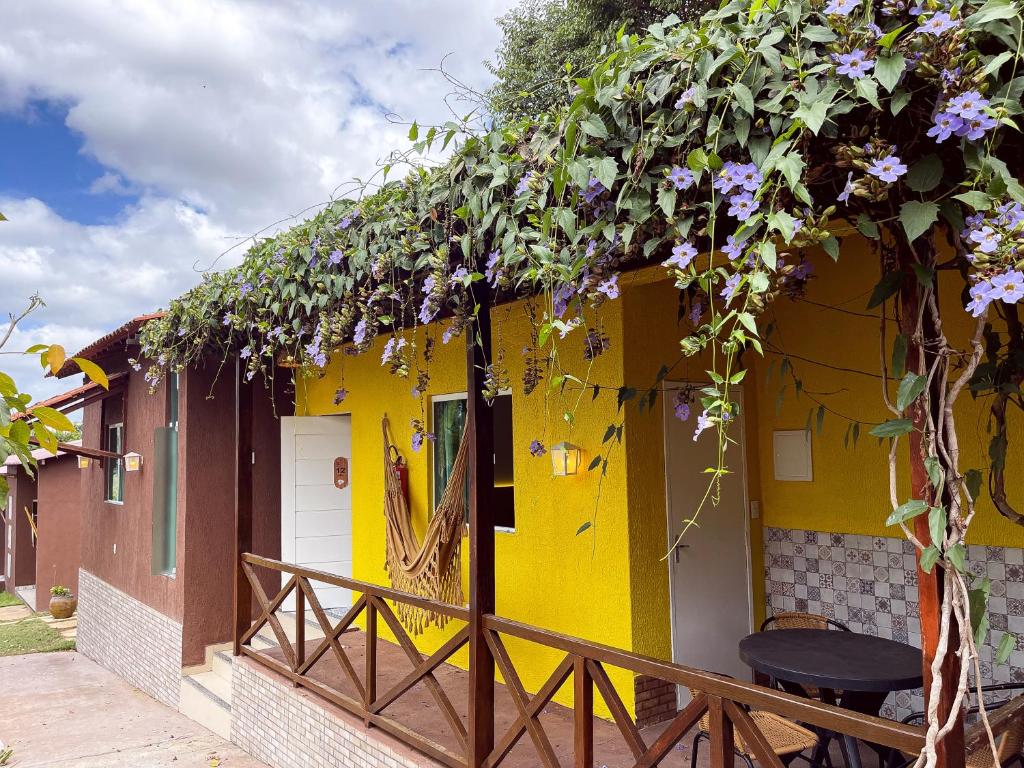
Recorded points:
(937, 525)
(583, 528)
(957, 556)
(934, 470)
(886, 287)
(925, 174)
(925, 275)
(906, 511)
(868, 91)
(892, 428)
(979, 201)
(1007, 643)
(697, 160)
(889, 38)
(594, 126)
(791, 166)
(916, 217)
(784, 223)
(92, 371)
(888, 70)
(867, 227)
(993, 10)
(972, 481)
(977, 599)
(910, 389)
(606, 170)
(899, 356)
(594, 463)
(744, 98)
(52, 418)
(667, 201)
(929, 557)
(899, 100)
(813, 114)
(414, 131)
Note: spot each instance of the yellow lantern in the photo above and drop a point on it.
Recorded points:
(132, 462)
(565, 459)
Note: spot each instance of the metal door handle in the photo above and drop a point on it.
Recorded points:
(676, 549)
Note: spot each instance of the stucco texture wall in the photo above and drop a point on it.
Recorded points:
(58, 551)
(547, 575)
(832, 330)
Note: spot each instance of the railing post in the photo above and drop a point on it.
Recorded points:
(370, 684)
(720, 731)
(242, 594)
(300, 627)
(583, 717)
(481, 533)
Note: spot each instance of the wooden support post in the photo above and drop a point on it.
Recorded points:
(370, 681)
(950, 750)
(583, 718)
(243, 503)
(300, 628)
(481, 534)
(723, 753)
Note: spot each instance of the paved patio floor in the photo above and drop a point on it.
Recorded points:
(61, 710)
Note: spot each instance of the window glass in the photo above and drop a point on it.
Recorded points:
(115, 467)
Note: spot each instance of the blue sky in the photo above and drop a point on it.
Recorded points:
(43, 158)
(141, 142)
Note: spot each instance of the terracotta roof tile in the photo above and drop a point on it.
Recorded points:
(104, 343)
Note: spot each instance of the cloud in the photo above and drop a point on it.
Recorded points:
(222, 116)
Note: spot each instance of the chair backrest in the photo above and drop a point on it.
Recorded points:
(800, 620)
(1008, 723)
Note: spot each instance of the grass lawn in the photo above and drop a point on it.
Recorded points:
(31, 636)
(6, 599)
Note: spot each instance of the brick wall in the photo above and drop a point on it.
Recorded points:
(655, 700)
(286, 728)
(870, 584)
(129, 638)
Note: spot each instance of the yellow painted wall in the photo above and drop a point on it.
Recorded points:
(546, 575)
(849, 493)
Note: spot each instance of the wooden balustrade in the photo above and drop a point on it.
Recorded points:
(724, 700)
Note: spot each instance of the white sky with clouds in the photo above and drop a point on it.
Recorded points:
(214, 118)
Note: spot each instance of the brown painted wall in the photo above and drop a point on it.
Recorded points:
(58, 551)
(208, 433)
(117, 539)
(22, 489)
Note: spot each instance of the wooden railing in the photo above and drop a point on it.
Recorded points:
(726, 701)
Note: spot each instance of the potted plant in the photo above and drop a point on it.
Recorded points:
(62, 602)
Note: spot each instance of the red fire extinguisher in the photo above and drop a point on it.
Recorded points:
(402, 470)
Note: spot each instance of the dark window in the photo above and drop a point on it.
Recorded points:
(114, 468)
(449, 419)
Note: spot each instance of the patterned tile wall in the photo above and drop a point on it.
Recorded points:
(870, 584)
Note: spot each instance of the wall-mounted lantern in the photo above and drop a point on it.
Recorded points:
(565, 459)
(132, 461)
(84, 462)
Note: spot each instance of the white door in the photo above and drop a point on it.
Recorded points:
(709, 572)
(316, 516)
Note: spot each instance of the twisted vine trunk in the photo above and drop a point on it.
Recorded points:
(938, 638)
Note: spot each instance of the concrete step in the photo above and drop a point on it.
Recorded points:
(223, 664)
(206, 698)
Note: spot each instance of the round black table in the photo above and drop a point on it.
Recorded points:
(862, 668)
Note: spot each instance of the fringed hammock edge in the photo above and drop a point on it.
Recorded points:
(431, 568)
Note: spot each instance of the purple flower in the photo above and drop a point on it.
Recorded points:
(339, 395)
(680, 406)
(686, 97)
(748, 177)
(349, 218)
(428, 284)
(888, 169)
(967, 105)
(537, 448)
(246, 353)
(980, 299)
(246, 288)
(802, 270)
(682, 255)
(419, 437)
(695, 312)
(986, 238)
(561, 298)
(610, 287)
(841, 7)
(591, 249)
(847, 190)
(949, 77)
(733, 248)
(458, 276)
(227, 320)
(361, 329)
(682, 178)
(938, 24)
(743, 205)
(854, 64)
(391, 350)
(493, 272)
(732, 284)
(335, 257)
(524, 184)
(946, 124)
(975, 128)
(703, 422)
(428, 311)
(594, 190)
(1008, 287)
(1010, 214)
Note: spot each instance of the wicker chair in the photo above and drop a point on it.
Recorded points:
(786, 738)
(1009, 743)
(799, 620)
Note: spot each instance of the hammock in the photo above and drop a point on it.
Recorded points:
(430, 569)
